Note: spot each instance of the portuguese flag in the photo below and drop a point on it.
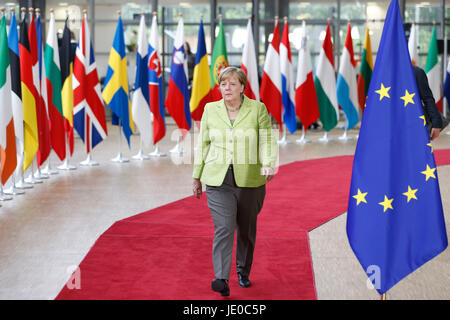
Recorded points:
(365, 71)
(219, 61)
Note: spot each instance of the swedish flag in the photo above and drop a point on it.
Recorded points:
(115, 91)
(395, 220)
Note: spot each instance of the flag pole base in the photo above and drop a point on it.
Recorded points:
(140, 156)
(89, 162)
(447, 133)
(13, 191)
(120, 159)
(40, 175)
(66, 165)
(23, 185)
(31, 179)
(345, 137)
(157, 153)
(325, 138)
(4, 197)
(177, 149)
(303, 139)
(48, 170)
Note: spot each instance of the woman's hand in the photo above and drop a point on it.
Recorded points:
(197, 188)
(268, 173)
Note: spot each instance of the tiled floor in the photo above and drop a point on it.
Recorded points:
(48, 230)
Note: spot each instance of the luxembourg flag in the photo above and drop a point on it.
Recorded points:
(270, 92)
(140, 102)
(249, 65)
(287, 81)
(155, 84)
(177, 100)
(347, 90)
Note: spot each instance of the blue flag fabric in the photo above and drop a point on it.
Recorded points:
(395, 220)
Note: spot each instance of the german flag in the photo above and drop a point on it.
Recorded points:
(67, 56)
(29, 94)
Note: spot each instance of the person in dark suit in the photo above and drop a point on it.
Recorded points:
(430, 109)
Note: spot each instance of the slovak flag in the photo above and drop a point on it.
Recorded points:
(249, 65)
(155, 84)
(271, 80)
(177, 100)
(287, 81)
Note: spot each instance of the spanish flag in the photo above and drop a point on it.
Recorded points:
(29, 94)
(365, 71)
(219, 61)
(115, 92)
(201, 83)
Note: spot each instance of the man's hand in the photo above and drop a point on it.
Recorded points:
(268, 173)
(197, 188)
(434, 133)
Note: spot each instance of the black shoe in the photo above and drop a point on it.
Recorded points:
(221, 285)
(244, 282)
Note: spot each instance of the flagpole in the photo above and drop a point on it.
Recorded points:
(3, 197)
(325, 138)
(119, 158)
(66, 165)
(31, 179)
(48, 169)
(140, 155)
(157, 153)
(383, 296)
(303, 139)
(22, 184)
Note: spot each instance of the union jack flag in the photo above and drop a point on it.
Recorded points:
(88, 113)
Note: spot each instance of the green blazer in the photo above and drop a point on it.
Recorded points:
(249, 144)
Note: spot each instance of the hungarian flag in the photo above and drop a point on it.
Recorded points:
(54, 102)
(7, 134)
(249, 65)
(347, 91)
(270, 92)
(140, 102)
(29, 97)
(306, 105)
(219, 61)
(201, 82)
(325, 82)
(89, 112)
(177, 100)
(287, 81)
(412, 45)
(16, 90)
(41, 112)
(66, 59)
(155, 84)
(365, 71)
(432, 70)
(115, 92)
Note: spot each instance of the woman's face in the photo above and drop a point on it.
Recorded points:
(231, 89)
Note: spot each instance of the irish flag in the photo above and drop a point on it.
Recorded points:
(219, 61)
(325, 82)
(306, 105)
(432, 70)
(7, 134)
(365, 71)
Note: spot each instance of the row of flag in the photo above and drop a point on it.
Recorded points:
(46, 90)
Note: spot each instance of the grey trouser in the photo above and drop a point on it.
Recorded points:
(234, 207)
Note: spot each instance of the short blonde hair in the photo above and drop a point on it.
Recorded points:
(233, 71)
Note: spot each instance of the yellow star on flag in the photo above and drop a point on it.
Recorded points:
(429, 144)
(424, 121)
(408, 98)
(411, 193)
(387, 203)
(429, 173)
(383, 92)
(360, 197)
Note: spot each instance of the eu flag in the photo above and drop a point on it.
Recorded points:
(395, 220)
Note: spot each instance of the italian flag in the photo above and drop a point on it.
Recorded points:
(432, 70)
(7, 134)
(219, 61)
(365, 71)
(325, 82)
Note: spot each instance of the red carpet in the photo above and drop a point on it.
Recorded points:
(165, 253)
